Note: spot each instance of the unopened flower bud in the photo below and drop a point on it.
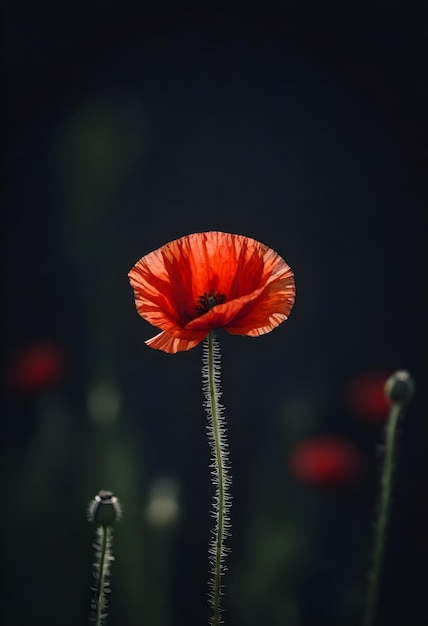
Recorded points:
(105, 509)
(400, 387)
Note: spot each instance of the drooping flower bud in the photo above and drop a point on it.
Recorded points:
(400, 387)
(105, 509)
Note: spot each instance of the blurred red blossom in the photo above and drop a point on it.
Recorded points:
(37, 368)
(365, 396)
(326, 461)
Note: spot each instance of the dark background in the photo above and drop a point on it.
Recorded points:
(128, 124)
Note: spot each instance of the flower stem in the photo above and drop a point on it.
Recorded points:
(220, 477)
(383, 516)
(104, 531)
(103, 511)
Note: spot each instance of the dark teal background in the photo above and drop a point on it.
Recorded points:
(128, 124)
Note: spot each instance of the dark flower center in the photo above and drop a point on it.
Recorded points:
(208, 300)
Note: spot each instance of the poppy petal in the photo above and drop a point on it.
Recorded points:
(167, 343)
(155, 299)
(267, 311)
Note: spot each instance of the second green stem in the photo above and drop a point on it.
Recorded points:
(382, 521)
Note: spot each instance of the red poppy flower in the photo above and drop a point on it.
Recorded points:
(366, 396)
(211, 280)
(37, 368)
(326, 461)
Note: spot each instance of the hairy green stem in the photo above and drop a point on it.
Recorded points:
(383, 516)
(220, 476)
(103, 511)
(99, 598)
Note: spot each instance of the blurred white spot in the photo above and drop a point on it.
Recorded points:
(163, 509)
(104, 403)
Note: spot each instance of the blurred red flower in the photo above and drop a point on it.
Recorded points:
(211, 280)
(366, 397)
(326, 461)
(37, 368)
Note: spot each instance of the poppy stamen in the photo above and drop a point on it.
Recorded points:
(208, 300)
